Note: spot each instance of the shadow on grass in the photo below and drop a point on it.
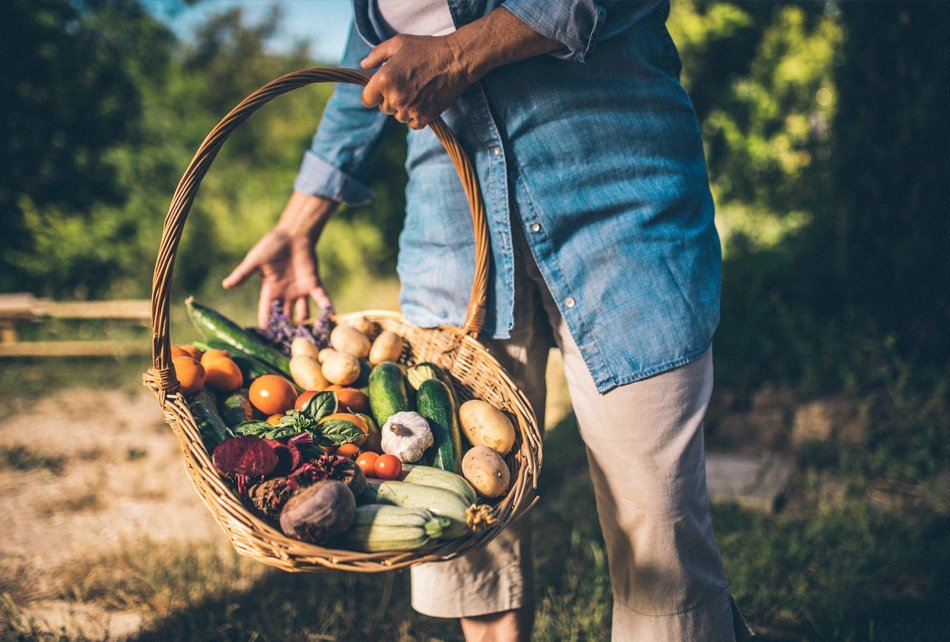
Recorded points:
(813, 572)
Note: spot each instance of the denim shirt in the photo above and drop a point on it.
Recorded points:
(594, 150)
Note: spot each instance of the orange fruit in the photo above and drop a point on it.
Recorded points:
(211, 354)
(356, 420)
(185, 350)
(222, 374)
(271, 394)
(190, 374)
(348, 450)
(353, 400)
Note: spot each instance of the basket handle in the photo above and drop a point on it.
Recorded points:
(188, 188)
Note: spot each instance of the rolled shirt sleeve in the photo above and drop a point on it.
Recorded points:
(347, 139)
(574, 24)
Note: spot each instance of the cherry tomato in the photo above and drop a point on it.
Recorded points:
(271, 394)
(388, 467)
(348, 450)
(304, 397)
(367, 463)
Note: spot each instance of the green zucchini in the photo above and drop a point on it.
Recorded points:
(424, 371)
(388, 392)
(434, 402)
(429, 476)
(214, 325)
(438, 501)
(211, 426)
(236, 408)
(378, 527)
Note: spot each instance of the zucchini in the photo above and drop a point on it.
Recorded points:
(211, 426)
(214, 325)
(236, 408)
(438, 501)
(387, 392)
(429, 476)
(424, 371)
(434, 402)
(377, 527)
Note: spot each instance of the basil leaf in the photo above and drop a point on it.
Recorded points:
(255, 428)
(337, 432)
(321, 405)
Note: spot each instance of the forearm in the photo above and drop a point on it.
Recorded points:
(495, 40)
(305, 215)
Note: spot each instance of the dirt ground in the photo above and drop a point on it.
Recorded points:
(84, 474)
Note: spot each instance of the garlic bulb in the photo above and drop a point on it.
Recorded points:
(406, 435)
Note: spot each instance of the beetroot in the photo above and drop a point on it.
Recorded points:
(246, 455)
(319, 512)
(288, 457)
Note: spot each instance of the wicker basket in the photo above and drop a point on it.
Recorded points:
(457, 350)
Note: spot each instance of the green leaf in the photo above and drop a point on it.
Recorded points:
(321, 405)
(255, 428)
(337, 432)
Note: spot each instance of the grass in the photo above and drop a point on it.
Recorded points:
(23, 459)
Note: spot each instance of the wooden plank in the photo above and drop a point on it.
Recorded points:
(135, 309)
(75, 349)
(20, 305)
(751, 481)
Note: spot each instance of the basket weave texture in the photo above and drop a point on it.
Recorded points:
(476, 372)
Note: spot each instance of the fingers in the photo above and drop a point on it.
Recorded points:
(263, 306)
(302, 309)
(240, 274)
(381, 53)
(321, 298)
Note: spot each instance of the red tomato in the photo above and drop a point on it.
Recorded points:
(388, 467)
(303, 398)
(348, 450)
(367, 463)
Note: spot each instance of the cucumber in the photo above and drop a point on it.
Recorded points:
(211, 426)
(236, 408)
(434, 402)
(214, 325)
(388, 392)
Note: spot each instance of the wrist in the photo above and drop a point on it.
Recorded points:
(305, 216)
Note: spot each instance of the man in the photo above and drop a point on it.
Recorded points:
(590, 162)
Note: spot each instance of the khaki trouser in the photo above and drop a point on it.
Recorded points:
(644, 446)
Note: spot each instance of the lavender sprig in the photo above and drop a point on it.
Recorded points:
(281, 330)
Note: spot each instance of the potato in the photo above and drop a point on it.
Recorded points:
(486, 471)
(345, 338)
(321, 357)
(386, 347)
(304, 348)
(307, 373)
(362, 324)
(485, 425)
(341, 368)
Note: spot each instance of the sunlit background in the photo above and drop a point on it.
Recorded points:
(826, 128)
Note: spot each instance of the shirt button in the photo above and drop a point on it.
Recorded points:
(496, 150)
(535, 227)
(570, 302)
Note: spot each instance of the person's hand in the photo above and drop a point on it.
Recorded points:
(422, 77)
(286, 257)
